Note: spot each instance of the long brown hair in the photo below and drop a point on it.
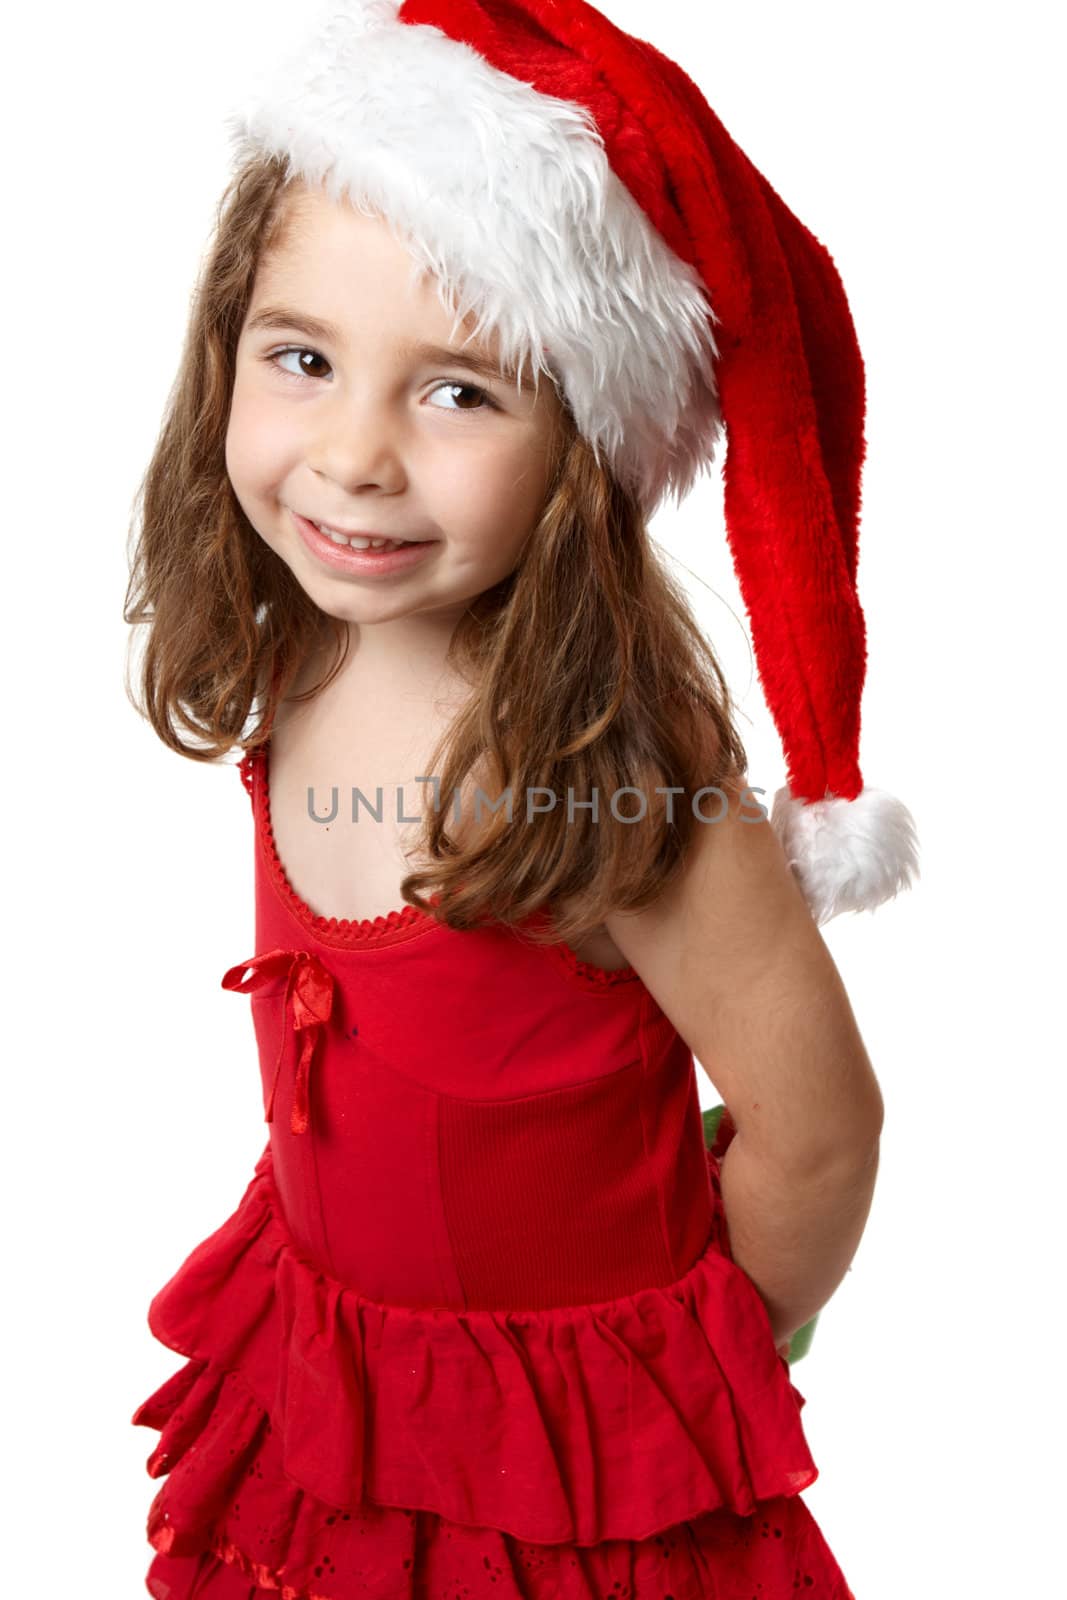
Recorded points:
(589, 673)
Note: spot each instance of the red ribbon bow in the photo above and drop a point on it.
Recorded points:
(308, 1001)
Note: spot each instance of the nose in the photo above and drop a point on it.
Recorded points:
(356, 445)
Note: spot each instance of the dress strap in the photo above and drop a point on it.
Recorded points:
(245, 767)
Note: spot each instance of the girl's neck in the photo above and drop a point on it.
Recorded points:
(395, 672)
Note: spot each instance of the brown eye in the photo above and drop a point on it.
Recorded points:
(487, 403)
(275, 358)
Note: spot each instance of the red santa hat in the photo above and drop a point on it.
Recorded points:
(570, 186)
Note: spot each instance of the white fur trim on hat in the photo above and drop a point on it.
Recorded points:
(506, 196)
(848, 855)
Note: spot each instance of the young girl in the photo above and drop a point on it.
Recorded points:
(489, 1318)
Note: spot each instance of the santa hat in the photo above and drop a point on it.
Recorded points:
(570, 186)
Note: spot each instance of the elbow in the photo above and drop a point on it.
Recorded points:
(827, 1154)
(845, 1157)
(870, 1131)
(857, 1151)
(857, 1144)
(853, 1134)
(847, 1168)
(837, 1143)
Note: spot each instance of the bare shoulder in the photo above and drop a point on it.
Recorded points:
(732, 954)
(735, 896)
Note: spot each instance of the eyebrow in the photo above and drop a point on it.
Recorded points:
(314, 328)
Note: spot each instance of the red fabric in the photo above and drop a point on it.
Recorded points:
(790, 371)
(475, 1326)
(309, 1000)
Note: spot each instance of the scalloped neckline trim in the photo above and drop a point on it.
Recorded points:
(387, 928)
(391, 926)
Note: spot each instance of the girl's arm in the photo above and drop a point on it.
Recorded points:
(731, 953)
(795, 1238)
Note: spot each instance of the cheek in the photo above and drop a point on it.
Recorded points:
(255, 446)
(492, 495)
(254, 468)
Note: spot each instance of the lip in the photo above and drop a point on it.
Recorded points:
(341, 558)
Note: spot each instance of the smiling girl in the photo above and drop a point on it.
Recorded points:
(490, 1318)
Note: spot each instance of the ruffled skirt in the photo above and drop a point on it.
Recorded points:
(318, 1445)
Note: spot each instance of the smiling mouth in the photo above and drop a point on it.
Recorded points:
(360, 541)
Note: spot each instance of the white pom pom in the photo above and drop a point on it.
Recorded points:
(848, 855)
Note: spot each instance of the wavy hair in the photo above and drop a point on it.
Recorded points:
(589, 674)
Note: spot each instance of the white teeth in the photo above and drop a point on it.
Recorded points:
(359, 543)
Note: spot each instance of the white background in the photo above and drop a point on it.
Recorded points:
(919, 143)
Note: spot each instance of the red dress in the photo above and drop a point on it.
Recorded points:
(474, 1327)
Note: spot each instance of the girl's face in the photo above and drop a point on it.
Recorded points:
(351, 423)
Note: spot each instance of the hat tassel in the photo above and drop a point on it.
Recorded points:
(848, 855)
